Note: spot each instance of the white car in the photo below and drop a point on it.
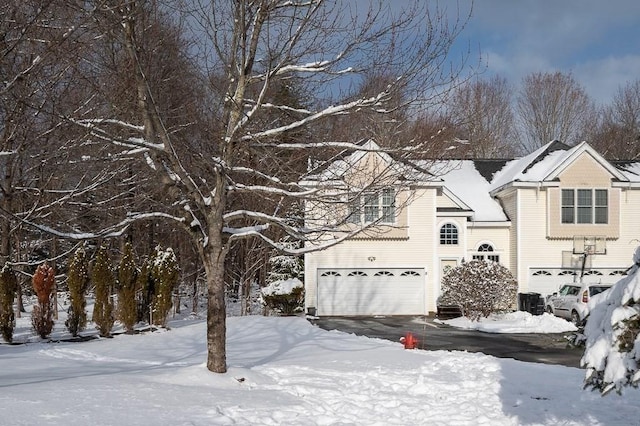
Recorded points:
(571, 301)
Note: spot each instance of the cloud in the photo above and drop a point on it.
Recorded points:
(604, 77)
(595, 40)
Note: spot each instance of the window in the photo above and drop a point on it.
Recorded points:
(383, 274)
(483, 253)
(618, 273)
(585, 206)
(374, 207)
(448, 234)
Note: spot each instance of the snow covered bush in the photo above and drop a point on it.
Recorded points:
(283, 267)
(612, 351)
(43, 281)
(165, 274)
(479, 288)
(284, 297)
(8, 289)
(78, 283)
(102, 278)
(127, 276)
(285, 292)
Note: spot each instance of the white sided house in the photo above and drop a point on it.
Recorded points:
(558, 215)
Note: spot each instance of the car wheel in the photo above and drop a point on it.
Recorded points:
(575, 318)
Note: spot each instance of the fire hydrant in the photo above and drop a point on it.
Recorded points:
(409, 341)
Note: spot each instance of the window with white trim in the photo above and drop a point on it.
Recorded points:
(448, 234)
(368, 208)
(486, 252)
(585, 206)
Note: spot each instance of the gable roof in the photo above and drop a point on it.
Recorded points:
(337, 168)
(547, 163)
(472, 184)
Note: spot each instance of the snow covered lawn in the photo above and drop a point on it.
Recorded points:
(284, 371)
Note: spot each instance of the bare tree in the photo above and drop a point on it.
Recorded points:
(552, 106)
(482, 113)
(210, 169)
(618, 136)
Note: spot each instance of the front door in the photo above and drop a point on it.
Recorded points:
(446, 265)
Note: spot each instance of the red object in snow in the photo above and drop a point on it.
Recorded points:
(409, 341)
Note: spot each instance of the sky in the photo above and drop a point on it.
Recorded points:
(285, 371)
(597, 41)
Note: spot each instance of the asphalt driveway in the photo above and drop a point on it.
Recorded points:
(433, 336)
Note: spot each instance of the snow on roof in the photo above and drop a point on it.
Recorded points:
(337, 169)
(467, 183)
(465, 180)
(631, 170)
(549, 160)
(533, 167)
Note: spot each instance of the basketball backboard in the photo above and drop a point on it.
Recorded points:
(589, 244)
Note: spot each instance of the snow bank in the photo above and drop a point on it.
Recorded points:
(515, 322)
(284, 371)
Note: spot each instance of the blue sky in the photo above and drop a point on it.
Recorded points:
(597, 41)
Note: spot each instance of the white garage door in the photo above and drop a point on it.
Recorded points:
(368, 291)
(546, 281)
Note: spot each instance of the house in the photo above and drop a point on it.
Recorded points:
(560, 214)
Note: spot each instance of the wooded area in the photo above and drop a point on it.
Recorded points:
(191, 124)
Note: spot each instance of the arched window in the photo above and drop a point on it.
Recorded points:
(448, 234)
(485, 253)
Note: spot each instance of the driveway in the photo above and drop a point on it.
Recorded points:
(433, 336)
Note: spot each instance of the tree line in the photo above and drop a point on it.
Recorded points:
(498, 120)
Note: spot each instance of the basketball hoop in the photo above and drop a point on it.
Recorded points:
(589, 245)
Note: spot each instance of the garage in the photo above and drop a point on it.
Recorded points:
(548, 280)
(369, 291)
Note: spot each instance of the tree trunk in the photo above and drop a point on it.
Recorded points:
(213, 259)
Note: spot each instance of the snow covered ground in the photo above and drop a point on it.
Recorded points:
(284, 371)
(515, 322)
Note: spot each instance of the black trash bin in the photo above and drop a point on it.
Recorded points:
(531, 302)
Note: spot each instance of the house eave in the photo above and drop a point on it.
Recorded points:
(490, 224)
(524, 184)
(454, 213)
